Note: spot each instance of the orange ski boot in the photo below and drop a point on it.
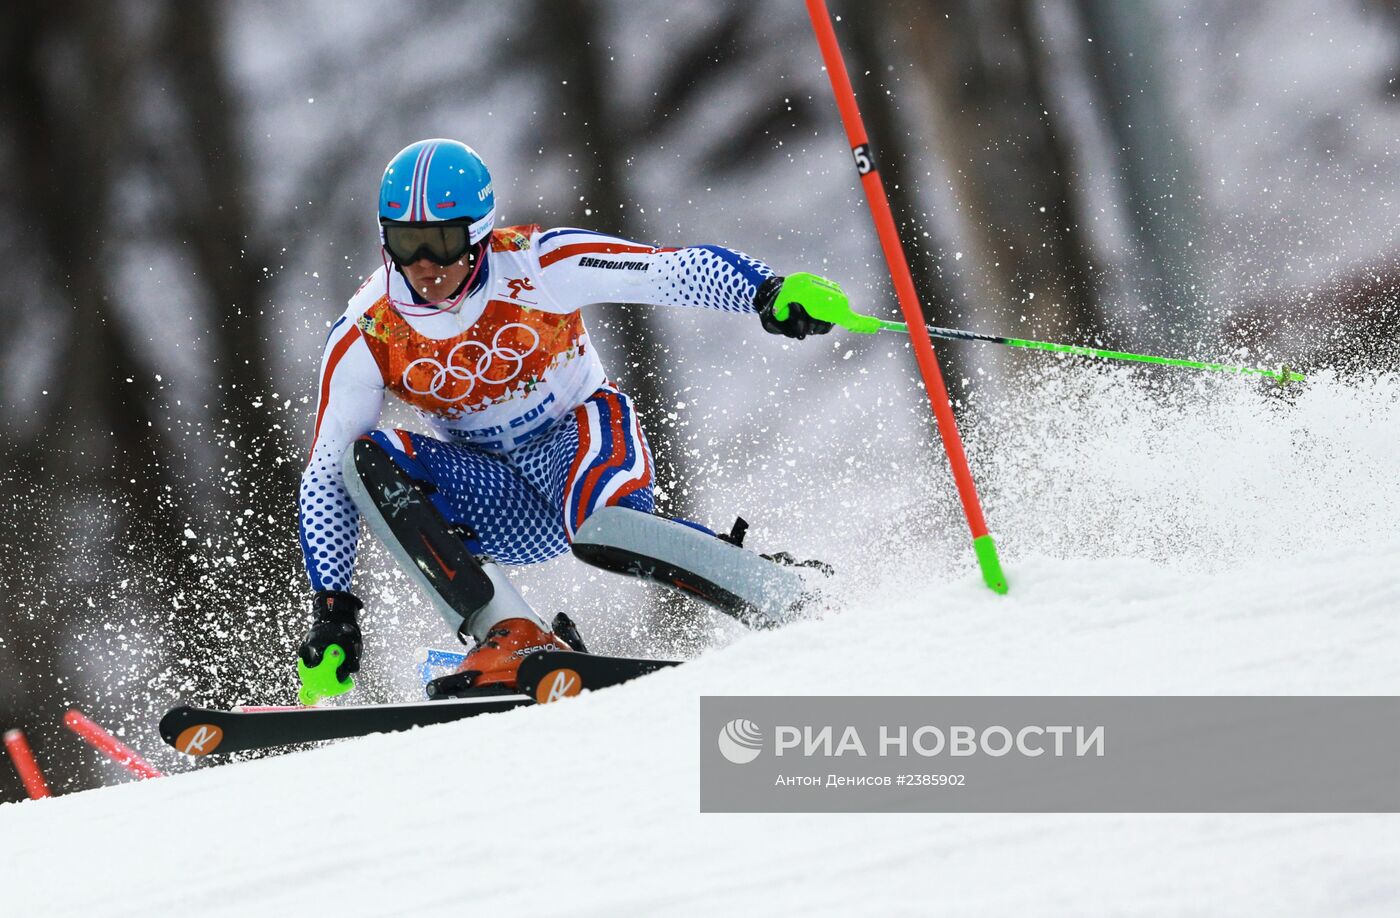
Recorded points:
(496, 660)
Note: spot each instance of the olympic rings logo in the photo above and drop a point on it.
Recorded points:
(445, 375)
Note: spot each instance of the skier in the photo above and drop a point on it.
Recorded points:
(533, 451)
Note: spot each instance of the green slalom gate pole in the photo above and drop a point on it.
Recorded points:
(982, 543)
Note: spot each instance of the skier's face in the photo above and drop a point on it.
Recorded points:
(435, 282)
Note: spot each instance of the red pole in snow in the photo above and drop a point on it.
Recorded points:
(28, 769)
(982, 542)
(109, 745)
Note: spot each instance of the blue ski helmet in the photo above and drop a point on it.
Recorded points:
(438, 181)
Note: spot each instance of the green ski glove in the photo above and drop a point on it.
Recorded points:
(330, 652)
(815, 298)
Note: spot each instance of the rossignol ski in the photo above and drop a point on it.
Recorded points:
(545, 676)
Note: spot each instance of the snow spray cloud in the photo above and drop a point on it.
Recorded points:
(1189, 470)
(1076, 461)
(1204, 473)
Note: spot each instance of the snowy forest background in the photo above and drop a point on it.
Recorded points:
(188, 202)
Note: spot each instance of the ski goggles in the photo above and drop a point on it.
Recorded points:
(441, 243)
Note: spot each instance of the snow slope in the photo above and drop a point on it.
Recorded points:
(591, 807)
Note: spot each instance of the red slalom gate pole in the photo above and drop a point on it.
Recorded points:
(23, 757)
(982, 543)
(109, 745)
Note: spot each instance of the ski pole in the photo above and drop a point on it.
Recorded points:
(982, 544)
(826, 301)
(1283, 375)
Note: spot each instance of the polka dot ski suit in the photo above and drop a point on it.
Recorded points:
(526, 436)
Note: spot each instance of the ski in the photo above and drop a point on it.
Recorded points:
(549, 675)
(202, 731)
(544, 676)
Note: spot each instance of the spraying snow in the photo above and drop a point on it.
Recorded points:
(1164, 534)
